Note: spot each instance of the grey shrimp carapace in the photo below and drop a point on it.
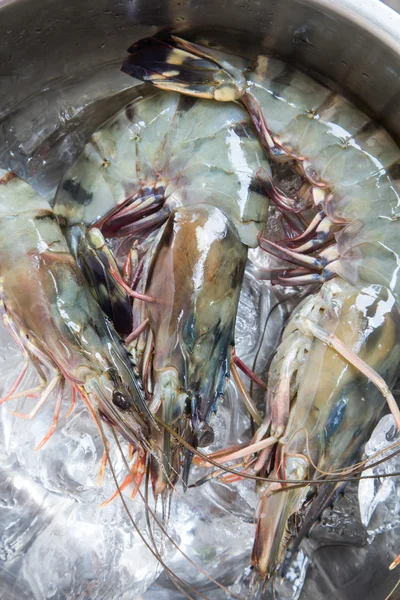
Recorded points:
(170, 183)
(55, 320)
(339, 353)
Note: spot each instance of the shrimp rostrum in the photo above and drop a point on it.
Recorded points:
(55, 320)
(339, 354)
(169, 182)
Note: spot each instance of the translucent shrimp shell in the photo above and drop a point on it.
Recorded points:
(202, 153)
(54, 313)
(353, 155)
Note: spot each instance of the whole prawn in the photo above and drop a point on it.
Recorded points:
(173, 179)
(56, 321)
(339, 353)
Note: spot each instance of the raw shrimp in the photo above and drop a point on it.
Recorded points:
(174, 178)
(333, 406)
(56, 321)
(196, 268)
(340, 351)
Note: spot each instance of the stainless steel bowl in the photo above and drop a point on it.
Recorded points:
(354, 45)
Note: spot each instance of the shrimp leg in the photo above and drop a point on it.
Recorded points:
(47, 392)
(55, 416)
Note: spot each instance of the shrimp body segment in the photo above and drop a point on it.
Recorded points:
(162, 151)
(54, 316)
(350, 165)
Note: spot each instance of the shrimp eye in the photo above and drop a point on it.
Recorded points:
(121, 401)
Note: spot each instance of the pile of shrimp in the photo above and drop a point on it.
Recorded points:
(132, 280)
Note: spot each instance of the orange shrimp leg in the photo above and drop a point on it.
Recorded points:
(29, 393)
(224, 477)
(201, 462)
(11, 327)
(240, 451)
(73, 402)
(47, 392)
(103, 464)
(16, 383)
(395, 563)
(27, 353)
(135, 476)
(140, 472)
(55, 417)
(220, 475)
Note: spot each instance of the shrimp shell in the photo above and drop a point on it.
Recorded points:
(54, 316)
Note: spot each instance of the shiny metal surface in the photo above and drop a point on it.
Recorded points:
(353, 43)
(393, 4)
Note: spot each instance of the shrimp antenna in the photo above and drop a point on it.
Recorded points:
(152, 514)
(295, 482)
(391, 595)
(151, 531)
(174, 578)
